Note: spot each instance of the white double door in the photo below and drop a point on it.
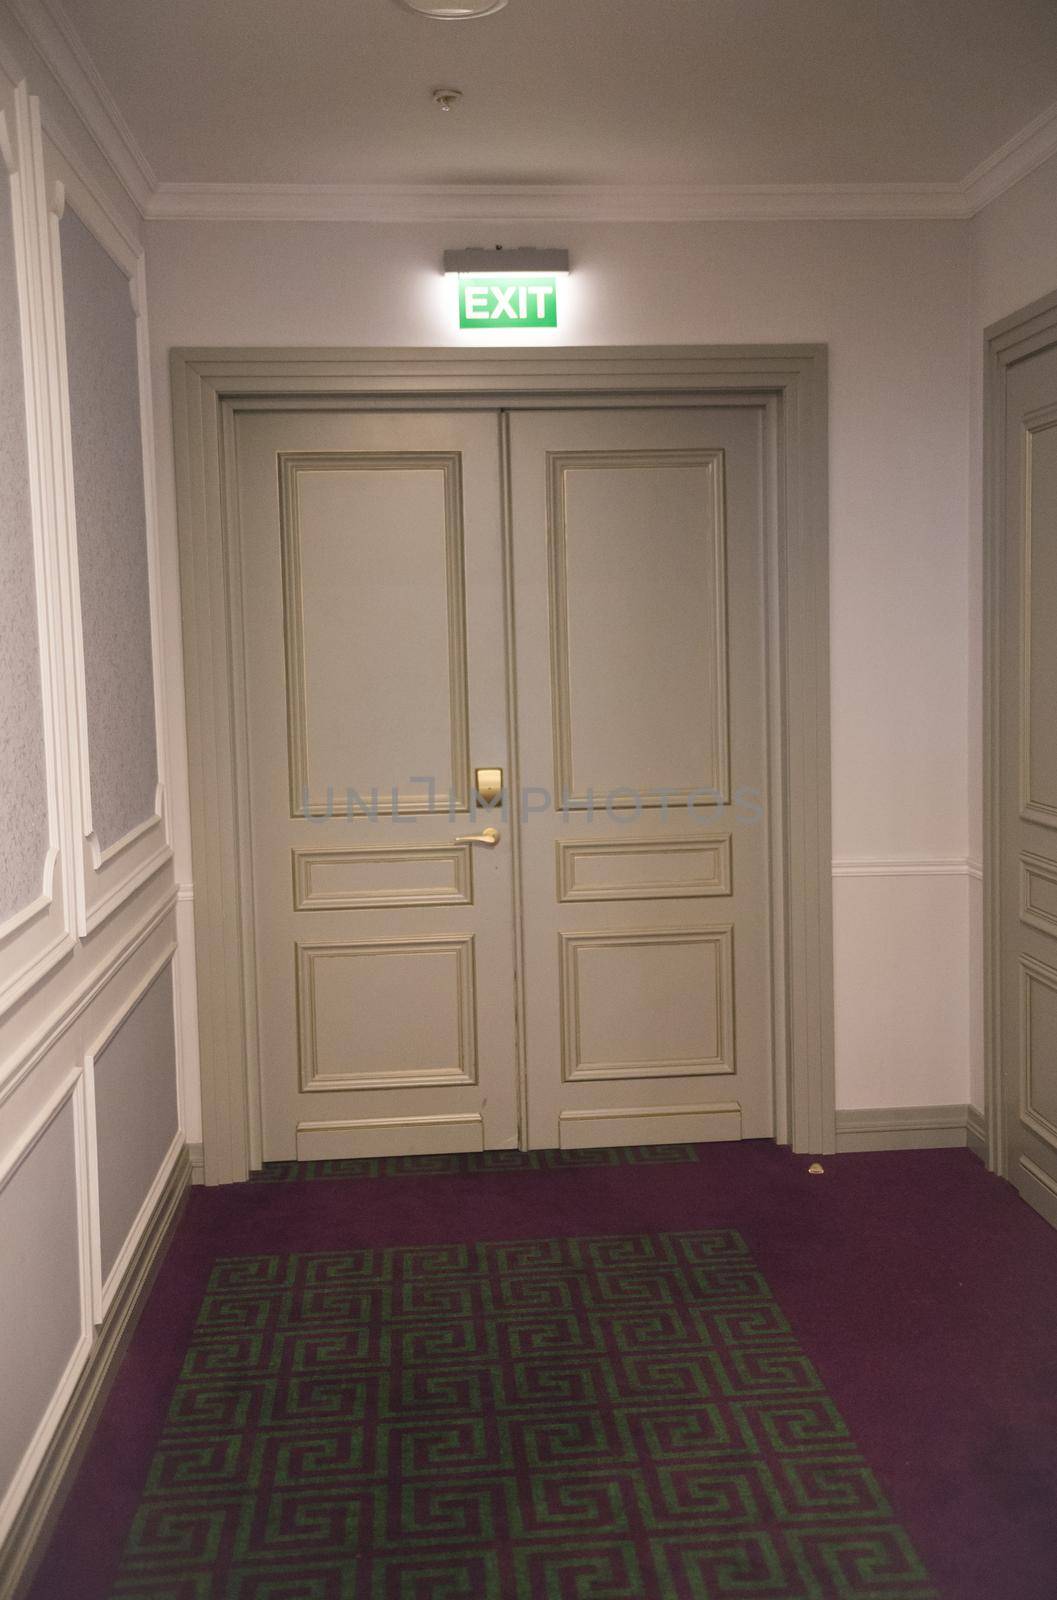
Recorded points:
(574, 597)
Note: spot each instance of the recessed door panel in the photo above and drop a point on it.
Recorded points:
(375, 628)
(1039, 755)
(650, 869)
(364, 878)
(357, 1028)
(648, 1004)
(638, 625)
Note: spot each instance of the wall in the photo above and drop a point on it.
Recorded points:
(891, 300)
(94, 994)
(1014, 259)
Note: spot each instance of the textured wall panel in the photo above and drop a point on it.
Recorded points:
(135, 1111)
(111, 533)
(40, 1316)
(23, 783)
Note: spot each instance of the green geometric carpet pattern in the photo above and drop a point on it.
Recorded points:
(617, 1418)
(640, 1155)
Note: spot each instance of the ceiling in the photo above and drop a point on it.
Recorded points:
(574, 91)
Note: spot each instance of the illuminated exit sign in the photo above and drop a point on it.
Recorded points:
(503, 301)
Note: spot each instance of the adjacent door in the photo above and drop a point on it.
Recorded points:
(1027, 758)
(638, 593)
(388, 562)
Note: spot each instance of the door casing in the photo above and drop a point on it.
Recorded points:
(788, 383)
(1024, 333)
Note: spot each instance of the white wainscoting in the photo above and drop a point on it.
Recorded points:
(46, 1321)
(76, 963)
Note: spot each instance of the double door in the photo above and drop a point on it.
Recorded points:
(564, 604)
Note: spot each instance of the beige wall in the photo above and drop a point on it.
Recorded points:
(891, 300)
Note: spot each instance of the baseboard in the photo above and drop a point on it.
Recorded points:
(197, 1153)
(53, 1477)
(1037, 1188)
(976, 1133)
(904, 1128)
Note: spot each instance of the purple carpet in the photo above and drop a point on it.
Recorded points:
(919, 1292)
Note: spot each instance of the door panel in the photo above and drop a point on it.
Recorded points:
(1028, 764)
(372, 595)
(639, 601)
(646, 611)
(362, 696)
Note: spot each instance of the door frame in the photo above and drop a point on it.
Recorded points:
(789, 382)
(1024, 333)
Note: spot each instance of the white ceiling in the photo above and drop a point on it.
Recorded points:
(574, 91)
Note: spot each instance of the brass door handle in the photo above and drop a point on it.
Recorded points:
(489, 838)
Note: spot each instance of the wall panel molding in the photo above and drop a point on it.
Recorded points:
(38, 935)
(107, 876)
(69, 1092)
(66, 960)
(45, 1486)
(105, 1284)
(68, 1010)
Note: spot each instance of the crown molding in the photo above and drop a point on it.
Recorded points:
(61, 48)
(315, 202)
(54, 36)
(1012, 161)
(774, 202)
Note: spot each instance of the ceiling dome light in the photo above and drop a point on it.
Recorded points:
(454, 10)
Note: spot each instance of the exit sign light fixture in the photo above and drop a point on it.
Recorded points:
(502, 289)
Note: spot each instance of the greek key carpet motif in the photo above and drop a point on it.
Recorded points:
(615, 1418)
(640, 1155)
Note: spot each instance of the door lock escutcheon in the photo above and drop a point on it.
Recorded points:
(488, 781)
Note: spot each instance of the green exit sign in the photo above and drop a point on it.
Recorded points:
(503, 301)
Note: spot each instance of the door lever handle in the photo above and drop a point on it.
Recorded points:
(489, 838)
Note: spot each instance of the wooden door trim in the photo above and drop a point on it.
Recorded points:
(210, 385)
(1015, 338)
